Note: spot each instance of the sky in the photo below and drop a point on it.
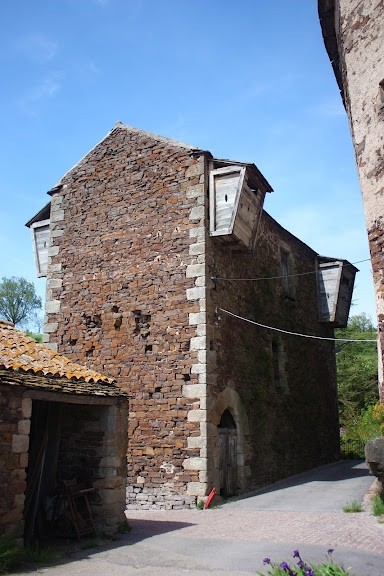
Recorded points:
(247, 80)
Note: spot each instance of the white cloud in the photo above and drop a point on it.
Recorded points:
(46, 89)
(88, 69)
(38, 48)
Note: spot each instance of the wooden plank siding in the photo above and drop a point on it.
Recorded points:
(40, 241)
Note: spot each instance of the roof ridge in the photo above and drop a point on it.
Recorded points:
(120, 126)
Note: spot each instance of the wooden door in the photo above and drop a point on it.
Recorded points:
(228, 461)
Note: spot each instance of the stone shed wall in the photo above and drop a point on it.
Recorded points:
(287, 426)
(126, 296)
(15, 412)
(360, 30)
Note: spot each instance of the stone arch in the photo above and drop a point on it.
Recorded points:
(229, 419)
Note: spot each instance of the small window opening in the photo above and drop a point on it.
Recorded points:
(227, 421)
(278, 367)
(148, 348)
(286, 272)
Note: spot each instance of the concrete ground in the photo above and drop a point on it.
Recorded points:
(303, 512)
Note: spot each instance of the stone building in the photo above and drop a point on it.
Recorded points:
(353, 34)
(59, 422)
(151, 249)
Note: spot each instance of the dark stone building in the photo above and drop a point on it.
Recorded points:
(161, 266)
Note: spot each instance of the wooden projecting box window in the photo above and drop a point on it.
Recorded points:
(40, 241)
(233, 206)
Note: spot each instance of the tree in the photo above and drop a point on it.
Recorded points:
(18, 300)
(357, 365)
(357, 384)
(361, 323)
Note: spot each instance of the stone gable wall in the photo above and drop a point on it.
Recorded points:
(126, 296)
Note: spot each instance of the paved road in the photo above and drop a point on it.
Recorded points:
(303, 512)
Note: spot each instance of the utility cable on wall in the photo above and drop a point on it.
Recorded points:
(278, 277)
(292, 333)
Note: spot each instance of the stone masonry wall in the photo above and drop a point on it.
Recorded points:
(361, 41)
(126, 296)
(14, 443)
(287, 427)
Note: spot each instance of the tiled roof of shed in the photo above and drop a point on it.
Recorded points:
(54, 384)
(20, 353)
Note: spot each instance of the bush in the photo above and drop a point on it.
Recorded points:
(358, 428)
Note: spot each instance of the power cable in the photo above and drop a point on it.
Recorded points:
(277, 277)
(292, 333)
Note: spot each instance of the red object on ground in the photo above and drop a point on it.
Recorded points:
(210, 498)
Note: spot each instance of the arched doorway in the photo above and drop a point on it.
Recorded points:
(227, 454)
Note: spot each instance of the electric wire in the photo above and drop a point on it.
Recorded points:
(278, 277)
(293, 333)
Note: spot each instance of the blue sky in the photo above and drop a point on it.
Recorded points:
(247, 80)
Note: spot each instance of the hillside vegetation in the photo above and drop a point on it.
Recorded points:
(357, 384)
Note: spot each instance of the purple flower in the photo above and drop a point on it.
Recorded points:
(266, 560)
(300, 563)
(296, 554)
(287, 569)
(330, 551)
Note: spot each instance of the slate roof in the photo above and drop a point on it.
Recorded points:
(24, 362)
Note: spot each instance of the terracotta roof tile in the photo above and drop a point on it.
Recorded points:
(19, 352)
(55, 384)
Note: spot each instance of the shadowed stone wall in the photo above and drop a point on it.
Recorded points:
(354, 38)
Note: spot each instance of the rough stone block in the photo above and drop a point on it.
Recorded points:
(197, 415)
(194, 391)
(20, 443)
(26, 407)
(196, 488)
(194, 270)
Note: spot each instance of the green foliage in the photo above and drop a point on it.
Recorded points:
(18, 300)
(11, 554)
(357, 384)
(359, 426)
(37, 337)
(378, 505)
(90, 543)
(354, 506)
(200, 504)
(40, 555)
